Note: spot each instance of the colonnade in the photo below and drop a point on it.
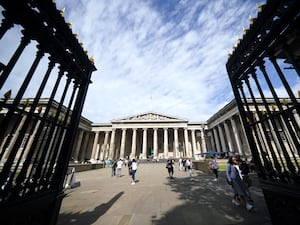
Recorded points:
(228, 136)
(145, 142)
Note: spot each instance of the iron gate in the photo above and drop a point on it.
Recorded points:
(264, 69)
(36, 136)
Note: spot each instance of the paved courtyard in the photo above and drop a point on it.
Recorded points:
(156, 199)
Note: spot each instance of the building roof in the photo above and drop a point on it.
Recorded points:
(149, 116)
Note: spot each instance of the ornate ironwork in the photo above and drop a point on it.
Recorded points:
(37, 134)
(266, 58)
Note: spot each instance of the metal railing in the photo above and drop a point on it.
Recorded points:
(263, 71)
(37, 134)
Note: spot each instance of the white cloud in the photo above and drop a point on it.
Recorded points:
(174, 51)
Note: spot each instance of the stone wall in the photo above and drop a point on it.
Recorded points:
(87, 166)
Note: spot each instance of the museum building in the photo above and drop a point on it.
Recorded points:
(148, 135)
(159, 136)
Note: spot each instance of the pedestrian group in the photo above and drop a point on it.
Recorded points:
(237, 174)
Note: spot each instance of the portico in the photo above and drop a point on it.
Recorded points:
(148, 135)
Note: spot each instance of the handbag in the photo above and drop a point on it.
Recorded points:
(248, 180)
(228, 182)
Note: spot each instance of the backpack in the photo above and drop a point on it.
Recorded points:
(169, 164)
(244, 167)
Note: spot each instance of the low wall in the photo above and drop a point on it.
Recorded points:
(88, 166)
(202, 165)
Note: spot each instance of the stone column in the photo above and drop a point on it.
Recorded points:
(194, 150)
(176, 142)
(144, 154)
(296, 115)
(112, 144)
(95, 145)
(155, 145)
(166, 150)
(122, 150)
(133, 144)
(236, 135)
(84, 145)
(198, 146)
(186, 143)
(288, 133)
(78, 145)
(228, 136)
(14, 138)
(4, 141)
(105, 148)
(223, 145)
(203, 142)
(216, 138)
(212, 140)
(31, 138)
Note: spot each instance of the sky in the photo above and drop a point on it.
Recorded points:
(164, 56)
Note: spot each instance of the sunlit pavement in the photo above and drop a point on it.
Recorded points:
(157, 200)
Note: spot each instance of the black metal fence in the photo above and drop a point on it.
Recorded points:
(264, 71)
(36, 139)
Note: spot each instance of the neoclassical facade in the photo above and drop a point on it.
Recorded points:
(225, 131)
(148, 135)
(161, 136)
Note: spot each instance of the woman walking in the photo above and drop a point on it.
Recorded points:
(170, 167)
(188, 164)
(134, 166)
(215, 167)
(239, 187)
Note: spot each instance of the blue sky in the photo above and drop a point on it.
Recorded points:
(166, 56)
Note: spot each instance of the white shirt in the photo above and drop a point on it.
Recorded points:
(119, 164)
(232, 171)
(214, 163)
(134, 166)
(188, 163)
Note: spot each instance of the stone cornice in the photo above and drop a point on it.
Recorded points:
(147, 117)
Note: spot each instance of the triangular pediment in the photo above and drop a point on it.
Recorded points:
(151, 117)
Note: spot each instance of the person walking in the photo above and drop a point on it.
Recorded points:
(108, 162)
(134, 166)
(188, 164)
(170, 167)
(113, 168)
(183, 163)
(244, 168)
(239, 187)
(119, 167)
(215, 167)
(180, 164)
(129, 166)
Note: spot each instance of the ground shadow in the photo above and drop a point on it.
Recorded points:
(208, 202)
(89, 217)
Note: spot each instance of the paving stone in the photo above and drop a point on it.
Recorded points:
(156, 199)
